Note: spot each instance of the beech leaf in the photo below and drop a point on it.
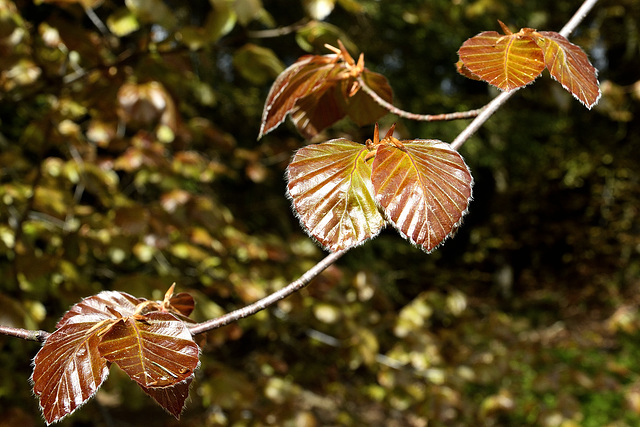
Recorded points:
(171, 398)
(105, 305)
(68, 369)
(330, 186)
(424, 187)
(319, 90)
(505, 61)
(305, 76)
(569, 65)
(155, 350)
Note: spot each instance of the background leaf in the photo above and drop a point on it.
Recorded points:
(507, 62)
(424, 188)
(330, 187)
(155, 351)
(570, 66)
(257, 64)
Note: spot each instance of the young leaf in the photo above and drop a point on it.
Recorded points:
(105, 305)
(299, 80)
(68, 369)
(155, 350)
(507, 62)
(319, 90)
(424, 187)
(570, 66)
(330, 186)
(171, 398)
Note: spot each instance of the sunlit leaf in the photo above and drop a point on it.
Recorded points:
(105, 305)
(505, 61)
(297, 81)
(319, 90)
(330, 187)
(68, 369)
(171, 398)
(570, 66)
(424, 187)
(155, 350)
(462, 69)
(318, 111)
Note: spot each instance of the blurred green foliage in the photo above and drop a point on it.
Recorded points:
(128, 161)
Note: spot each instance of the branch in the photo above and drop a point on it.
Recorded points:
(265, 302)
(413, 116)
(25, 334)
(277, 32)
(499, 100)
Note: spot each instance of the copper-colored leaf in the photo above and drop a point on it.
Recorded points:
(68, 369)
(171, 398)
(462, 69)
(505, 61)
(294, 83)
(319, 110)
(182, 303)
(155, 350)
(424, 187)
(319, 90)
(105, 305)
(330, 187)
(570, 66)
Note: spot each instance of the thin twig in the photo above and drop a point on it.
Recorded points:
(413, 116)
(25, 334)
(499, 100)
(265, 302)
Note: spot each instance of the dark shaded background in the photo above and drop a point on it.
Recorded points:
(529, 316)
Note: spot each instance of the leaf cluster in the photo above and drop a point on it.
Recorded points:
(148, 340)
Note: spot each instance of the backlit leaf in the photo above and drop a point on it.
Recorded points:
(319, 90)
(155, 350)
(570, 66)
(105, 305)
(297, 81)
(505, 61)
(424, 187)
(68, 369)
(330, 187)
(171, 398)
(318, 111)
